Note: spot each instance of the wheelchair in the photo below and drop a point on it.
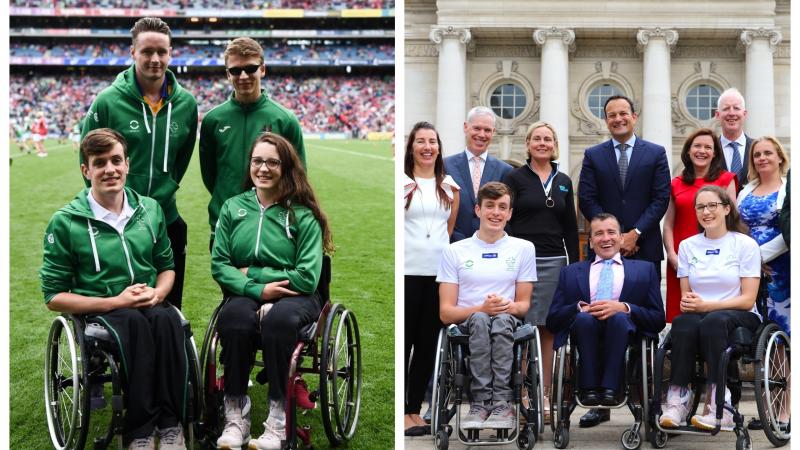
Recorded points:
(81, 356)
(332, 345)
(451, 385)
(635, 393)
(769, 349)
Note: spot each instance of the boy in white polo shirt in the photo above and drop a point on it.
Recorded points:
(485, 287)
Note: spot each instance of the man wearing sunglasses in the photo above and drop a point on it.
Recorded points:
(158, 119)
(229, 130)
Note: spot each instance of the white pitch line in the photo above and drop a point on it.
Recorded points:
(365, 155)
(56, 147)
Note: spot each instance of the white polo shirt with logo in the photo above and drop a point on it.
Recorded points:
(480, 269)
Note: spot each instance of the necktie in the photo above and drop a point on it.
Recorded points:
(736, 160)
(476, 174)
(605, 286)
(623, 162)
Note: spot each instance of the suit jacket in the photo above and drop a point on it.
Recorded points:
(641, 203)
(457, 167)
(742, 175)
(640, 289)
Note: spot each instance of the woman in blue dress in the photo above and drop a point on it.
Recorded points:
(760, 203)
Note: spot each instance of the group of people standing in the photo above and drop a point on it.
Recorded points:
(117, 252)
(724, 215)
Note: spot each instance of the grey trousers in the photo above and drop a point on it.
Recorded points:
(491, 344)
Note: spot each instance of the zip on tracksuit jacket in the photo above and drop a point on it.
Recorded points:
(89, 257)
(160, 145)
(226, 135)
(275, 243)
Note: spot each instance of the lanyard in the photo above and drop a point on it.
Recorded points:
(548, 185)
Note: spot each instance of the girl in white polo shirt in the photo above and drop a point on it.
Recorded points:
(719, 271)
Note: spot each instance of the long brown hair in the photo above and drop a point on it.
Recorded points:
(438, 167)
(716, 166)
(293, 186)
(733, 222)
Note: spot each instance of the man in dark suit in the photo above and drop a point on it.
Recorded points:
(731, 115)
(629, 178)
(607, 300)
(473, 168)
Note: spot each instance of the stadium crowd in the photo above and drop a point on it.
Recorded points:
(209, 4)
(354, 104)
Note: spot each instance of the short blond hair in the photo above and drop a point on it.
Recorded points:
(246, 48)
(535, 126)
(752, 174)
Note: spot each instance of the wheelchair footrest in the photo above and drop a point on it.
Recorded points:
(524, 332)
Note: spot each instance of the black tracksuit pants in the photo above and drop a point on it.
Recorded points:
(154, 367)
(421, 330)
(242, 335)
(176, 232)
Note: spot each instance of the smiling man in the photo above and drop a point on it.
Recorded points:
(229, 130)
(158, 119)
(474, 167)
(731, 114)
(485, 287)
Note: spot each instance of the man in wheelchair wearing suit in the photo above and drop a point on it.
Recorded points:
(485, 286)
(107, 256)
(606, 301)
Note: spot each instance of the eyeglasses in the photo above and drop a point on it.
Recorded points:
(236, 71)
(271, 163)
(712, 206)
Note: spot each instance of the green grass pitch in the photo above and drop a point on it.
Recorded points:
(354, 183)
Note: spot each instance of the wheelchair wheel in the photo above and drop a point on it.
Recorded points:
(212, 403)
(658, 439)
(194, 402)
(526, 440)
(772, 382)
(561, 437)
(340, 375)
(631, 440)
(441, 440)
(532, 382)
(743, 443)
(442, 392)
(66, 385)
(561, 391)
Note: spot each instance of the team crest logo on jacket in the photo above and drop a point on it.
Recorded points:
(50, 238)
(134, 125)
(511, 264)
(241, 212)
(173, 127)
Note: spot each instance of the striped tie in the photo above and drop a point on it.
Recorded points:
(623, 162)
(605, 286)
(736, 160)
(476, 174)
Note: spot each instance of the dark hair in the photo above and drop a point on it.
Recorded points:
(153, 24)
(599, 217)
(493, 190)
(716, 166)
(100, 141)
(617, 97)
(438, 167)
(733, 221)
(244, 47)
(293, 186)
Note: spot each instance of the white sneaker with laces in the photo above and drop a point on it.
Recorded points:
(171, 438)
(145, 443)
(709, 420)
(677, 407)
(274, 434)
(237, 423)
(502, 417)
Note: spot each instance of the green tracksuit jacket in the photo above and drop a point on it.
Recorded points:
(226, 135)
(89, 257)
(273, 244)
(160, 147)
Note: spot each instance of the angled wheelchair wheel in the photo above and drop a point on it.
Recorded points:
(193, 407)
(340, 375)
(561, 393)
(772, 382)
(532, 382)
(212, 406)
(441, 399)
(66, 385)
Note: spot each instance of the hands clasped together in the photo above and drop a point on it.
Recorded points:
(602, 309)
(139, 295)
(495, 304)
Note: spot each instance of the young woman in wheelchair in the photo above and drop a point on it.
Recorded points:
(267, 251)
(719, 271)
(107, 256)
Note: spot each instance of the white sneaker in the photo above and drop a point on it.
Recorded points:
(272, 438)
(709, 421)
(146, 443)
(171, 439)
(237, 423)
(677, 407)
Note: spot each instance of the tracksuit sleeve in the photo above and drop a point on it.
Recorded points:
(57, 271)
(230, 278)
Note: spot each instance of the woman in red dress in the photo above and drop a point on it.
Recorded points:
(703, 163)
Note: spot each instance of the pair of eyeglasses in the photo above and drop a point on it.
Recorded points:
(236, 71)
(712, 206)
(271, 163)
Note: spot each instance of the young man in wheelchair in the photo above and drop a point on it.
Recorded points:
(107, 256)
(485, 286)
(602, 304)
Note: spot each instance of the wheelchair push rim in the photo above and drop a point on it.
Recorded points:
(773, 375)
(65, 378)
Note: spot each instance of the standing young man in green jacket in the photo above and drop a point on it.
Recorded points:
(158, 119)
(229, 130)
(107, 256)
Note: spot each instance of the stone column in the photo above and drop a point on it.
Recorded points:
(451, 97)
(759, 88)
(554, 96)
(656, 44)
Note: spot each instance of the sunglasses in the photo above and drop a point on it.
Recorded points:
(236, 71)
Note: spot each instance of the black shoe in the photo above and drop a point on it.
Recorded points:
(755, 424)
(589, 397)
(607, 397)
(594, 417)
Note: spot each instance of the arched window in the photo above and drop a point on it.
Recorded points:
(508, 100)
(597, 98)
(701, 101)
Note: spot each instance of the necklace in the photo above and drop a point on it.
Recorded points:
(424, 216)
